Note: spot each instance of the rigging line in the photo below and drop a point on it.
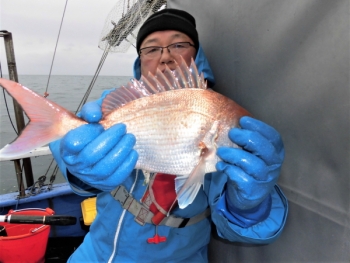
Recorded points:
(99, 67)
(47, 171)
(59, 32)
(8, 112)
(87, 93)
(7, 108)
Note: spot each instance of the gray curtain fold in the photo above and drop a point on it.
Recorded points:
(287, 62)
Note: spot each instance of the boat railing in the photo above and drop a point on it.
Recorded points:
(35, 153)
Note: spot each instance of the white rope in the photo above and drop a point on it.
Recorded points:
(115, 242)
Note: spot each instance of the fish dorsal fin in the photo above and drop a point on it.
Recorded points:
(182, 77)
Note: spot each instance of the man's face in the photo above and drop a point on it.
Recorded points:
(163, 39)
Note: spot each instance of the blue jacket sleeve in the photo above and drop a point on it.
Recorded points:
(264, 232)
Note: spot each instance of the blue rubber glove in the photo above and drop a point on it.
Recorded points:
(253, 170)
(100, 158)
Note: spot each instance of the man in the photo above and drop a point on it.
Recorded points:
(241, 198)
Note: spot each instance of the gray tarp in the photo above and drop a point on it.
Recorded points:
(287, 61)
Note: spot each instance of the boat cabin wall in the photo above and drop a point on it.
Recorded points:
(287, 62)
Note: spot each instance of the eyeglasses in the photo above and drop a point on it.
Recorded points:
(175, 48)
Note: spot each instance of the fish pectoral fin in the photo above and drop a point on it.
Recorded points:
(208, 148)
(211, 136)
(187, 187)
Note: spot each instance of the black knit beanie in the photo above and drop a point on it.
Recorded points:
(169, 19)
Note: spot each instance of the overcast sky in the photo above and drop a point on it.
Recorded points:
(35, 24)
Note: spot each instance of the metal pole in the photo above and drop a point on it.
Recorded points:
(27, 165)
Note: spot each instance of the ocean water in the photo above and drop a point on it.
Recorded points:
(67, 91)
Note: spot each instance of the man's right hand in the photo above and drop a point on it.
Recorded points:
(98, 157)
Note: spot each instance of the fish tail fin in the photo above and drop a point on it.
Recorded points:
(46, 120)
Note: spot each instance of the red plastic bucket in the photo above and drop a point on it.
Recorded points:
(25, 242)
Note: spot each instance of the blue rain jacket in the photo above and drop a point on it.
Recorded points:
(116, 237)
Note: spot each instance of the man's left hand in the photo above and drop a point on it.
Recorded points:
(254, 168)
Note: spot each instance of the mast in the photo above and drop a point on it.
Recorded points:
(12, 69)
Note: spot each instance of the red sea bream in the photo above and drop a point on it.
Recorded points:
(178, 123)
